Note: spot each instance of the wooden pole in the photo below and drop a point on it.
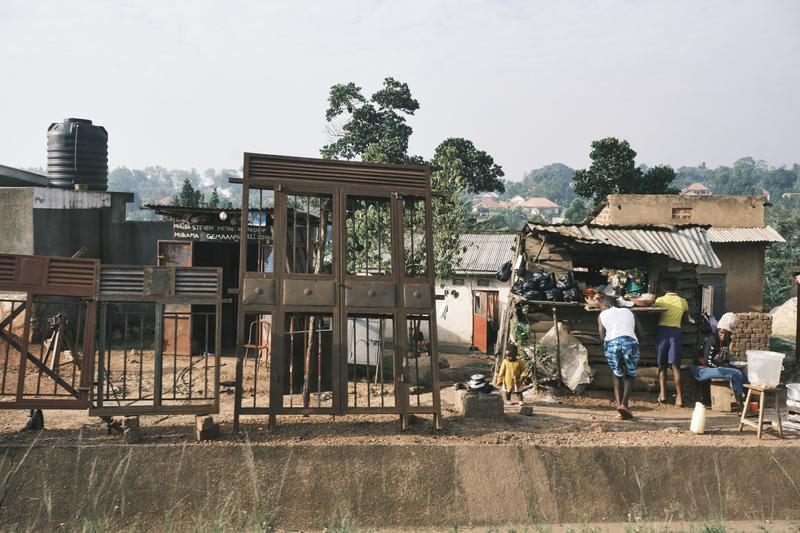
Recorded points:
(558, 347)
(312, 321)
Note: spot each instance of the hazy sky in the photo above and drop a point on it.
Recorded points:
(195, 84)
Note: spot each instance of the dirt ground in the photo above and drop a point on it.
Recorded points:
(558, 420)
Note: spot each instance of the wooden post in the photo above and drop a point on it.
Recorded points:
(558, 347)
(312, 321)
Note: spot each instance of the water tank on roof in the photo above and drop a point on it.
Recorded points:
(77, 155)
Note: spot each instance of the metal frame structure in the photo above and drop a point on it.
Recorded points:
(48, 283)
(399, 295)
(170, 292)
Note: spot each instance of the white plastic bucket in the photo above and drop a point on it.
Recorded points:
(764, 368)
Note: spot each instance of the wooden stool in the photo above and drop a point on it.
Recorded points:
(761, 392)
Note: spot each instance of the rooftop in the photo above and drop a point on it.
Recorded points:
(687, 244)
(14, 177)
(485, 252)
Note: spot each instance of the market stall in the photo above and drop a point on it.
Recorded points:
(559, 268)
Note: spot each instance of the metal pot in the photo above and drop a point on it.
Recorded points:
(793, 391)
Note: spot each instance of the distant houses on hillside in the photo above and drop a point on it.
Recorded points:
(484, 204)
(696, 189)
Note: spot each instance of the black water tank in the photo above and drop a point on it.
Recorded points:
(77, 155)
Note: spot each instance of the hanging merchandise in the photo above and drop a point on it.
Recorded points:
(504, 274)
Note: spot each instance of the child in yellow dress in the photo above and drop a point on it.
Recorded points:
(510, 374)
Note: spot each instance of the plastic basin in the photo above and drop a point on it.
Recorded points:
(764, 368)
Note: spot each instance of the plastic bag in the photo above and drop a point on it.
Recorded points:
(574, 356)
(504, 274)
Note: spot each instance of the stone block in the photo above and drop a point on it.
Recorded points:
(479, 405)
(526, 410)
(206, 428)
(131, 430)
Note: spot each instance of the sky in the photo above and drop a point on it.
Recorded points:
(195, 84)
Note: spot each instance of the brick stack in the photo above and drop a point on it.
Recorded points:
(752, 333)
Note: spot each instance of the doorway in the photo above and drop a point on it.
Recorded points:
(485, 319)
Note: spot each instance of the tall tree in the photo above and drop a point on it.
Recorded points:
(784, 216)
(374, 129)
(552, 181)
(188, 196)
(614, 171)
(478, 169)
(577, 212)
(213, 200)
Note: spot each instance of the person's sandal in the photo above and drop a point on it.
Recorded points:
(625, 413)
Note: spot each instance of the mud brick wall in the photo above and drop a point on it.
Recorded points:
(752, 333)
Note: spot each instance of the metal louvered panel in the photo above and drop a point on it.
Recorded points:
(196, 281)
(45, 275)
(7, 263)
(70, 272)
(327, 171)
(121, 280)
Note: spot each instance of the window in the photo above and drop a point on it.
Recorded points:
(681, 213)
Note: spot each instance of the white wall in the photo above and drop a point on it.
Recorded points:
(455, 331)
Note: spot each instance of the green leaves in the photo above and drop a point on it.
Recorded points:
(478, 170)
(614, 171)
(376, 130)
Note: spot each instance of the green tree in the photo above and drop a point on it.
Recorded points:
(188, 196)
(577, 212)
(784, 216)
(478, 169)
(213, 200)
(552, 181)
(505, 219)
(375, 129)
(779, 181)
(614, 171)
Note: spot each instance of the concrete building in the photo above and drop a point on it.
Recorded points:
(738, 233)
(40, 220)
(472, 319)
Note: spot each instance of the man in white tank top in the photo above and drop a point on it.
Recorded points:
(618, 327)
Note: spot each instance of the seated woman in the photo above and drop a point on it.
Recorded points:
(712, 362)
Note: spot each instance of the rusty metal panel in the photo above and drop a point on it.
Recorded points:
(166, 284)
(56, 276)
(309, 292)
(370, 294)
(158, 281)
(258, 291)
(417, 295)
(332, 172)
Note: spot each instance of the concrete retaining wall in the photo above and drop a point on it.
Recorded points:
(374, 485)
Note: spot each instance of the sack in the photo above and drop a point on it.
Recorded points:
(504, 274)
(533, 295)
(517, 288)
(571, 295)
(553, 295)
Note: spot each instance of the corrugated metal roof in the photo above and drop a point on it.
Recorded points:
(688, 244)
(486, 252)
(767, 234)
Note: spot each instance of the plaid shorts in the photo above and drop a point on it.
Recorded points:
(622, 355)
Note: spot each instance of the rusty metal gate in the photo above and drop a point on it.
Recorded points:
(147, 362)
(47, 313)
(337, 307)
